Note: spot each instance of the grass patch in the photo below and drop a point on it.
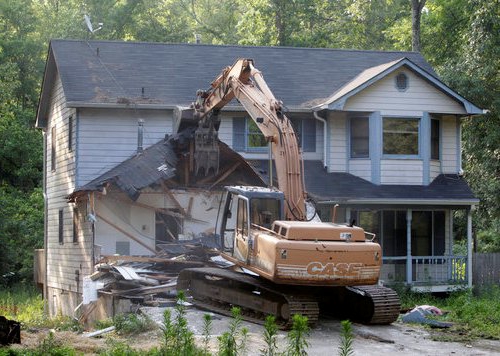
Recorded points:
(133, 324)
(474, 316)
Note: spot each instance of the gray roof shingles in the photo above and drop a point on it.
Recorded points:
(338, 187)
(108, 71)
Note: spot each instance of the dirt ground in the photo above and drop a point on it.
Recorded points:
(398, 338)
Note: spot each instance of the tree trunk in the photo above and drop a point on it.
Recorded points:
(416, 13)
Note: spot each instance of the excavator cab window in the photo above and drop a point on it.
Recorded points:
(264, 211)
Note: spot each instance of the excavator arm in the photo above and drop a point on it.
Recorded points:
(245, 83)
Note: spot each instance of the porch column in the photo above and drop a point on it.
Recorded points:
(469, 247)
(409, 271)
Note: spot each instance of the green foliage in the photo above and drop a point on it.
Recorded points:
(21, 231)
(133, 323)
(346, 339)
(233, 342)
(297, 336)
(473, 315)
(270, 336)
(24, 304)
(207, 330)
(178, 340)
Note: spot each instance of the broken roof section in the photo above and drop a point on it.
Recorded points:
(166, 162)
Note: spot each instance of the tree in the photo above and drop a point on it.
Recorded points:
(416, 13)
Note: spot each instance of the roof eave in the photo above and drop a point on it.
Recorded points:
(403, 201)
(47, 83)
(94, 105)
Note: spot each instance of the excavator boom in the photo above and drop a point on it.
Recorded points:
(245, 83)
(302, 266)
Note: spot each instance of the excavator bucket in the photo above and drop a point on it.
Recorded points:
(206, 148)
(206, 151)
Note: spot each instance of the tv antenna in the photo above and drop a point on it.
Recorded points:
(89, 24)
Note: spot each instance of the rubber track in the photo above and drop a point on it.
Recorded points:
(385, 306)
(295, 304)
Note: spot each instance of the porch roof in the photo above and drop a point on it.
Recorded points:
(345, 188)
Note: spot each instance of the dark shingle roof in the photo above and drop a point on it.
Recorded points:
(445, 189)
(111, 72)
(159, 162)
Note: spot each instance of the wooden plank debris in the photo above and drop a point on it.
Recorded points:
(141, 279)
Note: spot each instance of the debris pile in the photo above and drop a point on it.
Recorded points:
(146, 280)
(424, 314)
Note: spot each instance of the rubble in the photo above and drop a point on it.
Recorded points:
(146, 280)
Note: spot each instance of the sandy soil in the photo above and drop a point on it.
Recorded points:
(398, 338)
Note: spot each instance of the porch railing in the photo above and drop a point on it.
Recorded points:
(426, 270)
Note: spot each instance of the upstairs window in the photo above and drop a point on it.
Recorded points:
(61, 226)
(435, 139)
(70, 133)
(255, 139)
(360, 142)
(401, 136)
(248, 138)
(53, 142)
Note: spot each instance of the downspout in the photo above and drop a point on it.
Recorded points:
(45, 227)
(319, 118)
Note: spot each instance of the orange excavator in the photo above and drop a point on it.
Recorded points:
(294, 265)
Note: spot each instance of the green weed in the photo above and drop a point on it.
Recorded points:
(297, 336)
(270, 336)
(177, 338)
(346, 339)
(233, 342)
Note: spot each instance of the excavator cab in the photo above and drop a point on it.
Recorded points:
(246, 209)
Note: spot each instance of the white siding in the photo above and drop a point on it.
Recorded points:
(338, 144)
(450, 149)
(68, 261)
(420, 96)
(108, 137)
(401, 171)
(361, 168)
(435, 169)
(226, 130)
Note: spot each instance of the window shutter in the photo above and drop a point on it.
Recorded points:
(309, 135)
(239, 134)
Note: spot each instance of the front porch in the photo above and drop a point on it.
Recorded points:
(426, 273)
(417, 244)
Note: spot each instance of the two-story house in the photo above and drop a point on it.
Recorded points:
(379, 132)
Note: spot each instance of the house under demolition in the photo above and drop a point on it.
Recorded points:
(379, 132)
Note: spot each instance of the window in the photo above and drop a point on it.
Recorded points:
(435, 139)
(76, 220)
(53, 149)
(360, 141)
(305, 129)
(61, 222)
(242, 217)
(255, 138)
(248, 138)
(70, 133)
(402, 82)
(400, 136)
(390, 226)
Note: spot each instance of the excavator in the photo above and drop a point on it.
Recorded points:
(291, 264)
